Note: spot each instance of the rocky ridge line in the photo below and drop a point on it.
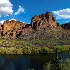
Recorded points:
(44, 25)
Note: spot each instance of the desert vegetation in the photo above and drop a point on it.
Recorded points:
(8, 46)
(59, 66)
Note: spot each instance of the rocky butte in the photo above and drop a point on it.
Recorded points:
(42, 21)
(43, 26)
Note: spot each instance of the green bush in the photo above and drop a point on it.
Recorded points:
(47, 66)
(60, 65)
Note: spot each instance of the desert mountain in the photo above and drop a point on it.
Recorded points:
(43, 26)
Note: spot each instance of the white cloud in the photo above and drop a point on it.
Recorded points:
(22, 21)
(12, 19)
(0, 15)
(62, 14)
(28, 23)
(66, 21)
(5, 8)
(2, 21)
(20, 9)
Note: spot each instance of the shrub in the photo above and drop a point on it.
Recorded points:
(60, 65)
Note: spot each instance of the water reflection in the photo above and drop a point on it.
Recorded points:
(25, 62)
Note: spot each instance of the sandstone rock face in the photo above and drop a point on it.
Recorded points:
(43, 26)
(12, 28)
(1, 29)
(51, 20)
(44, 20)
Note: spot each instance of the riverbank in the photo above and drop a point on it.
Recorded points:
(32, 50)
(33, 46)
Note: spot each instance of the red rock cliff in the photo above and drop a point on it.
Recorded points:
(44, 20)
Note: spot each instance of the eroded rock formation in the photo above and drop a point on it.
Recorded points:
(44, 20)
(43, 26)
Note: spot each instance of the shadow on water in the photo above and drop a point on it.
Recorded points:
(64, 55)
(25, 62)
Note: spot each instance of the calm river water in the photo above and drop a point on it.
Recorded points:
(25, 62)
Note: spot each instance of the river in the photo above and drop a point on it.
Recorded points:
(25, 62)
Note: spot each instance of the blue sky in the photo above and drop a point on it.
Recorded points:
(24, 10)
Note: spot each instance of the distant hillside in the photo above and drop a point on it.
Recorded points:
(66, 26)
(43, 26)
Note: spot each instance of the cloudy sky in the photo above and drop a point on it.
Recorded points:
(24, 10)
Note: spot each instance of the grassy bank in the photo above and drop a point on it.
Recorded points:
(32, 50)
(33, 46)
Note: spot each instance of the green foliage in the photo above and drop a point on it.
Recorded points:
(33, 46)
(30, 50)
(66, 65)
(60, 66)
(33, 43)
(47, 66)
(61, 48)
